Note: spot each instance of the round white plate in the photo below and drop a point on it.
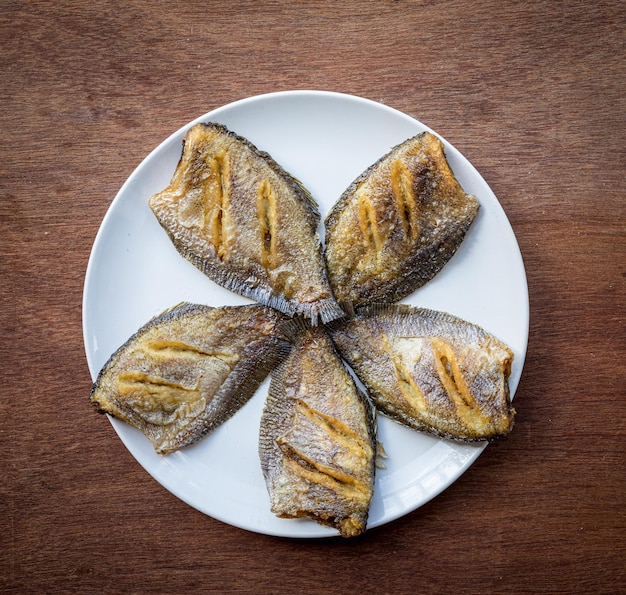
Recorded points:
(325, 140)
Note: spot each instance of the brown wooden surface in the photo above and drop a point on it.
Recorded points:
(531, 92)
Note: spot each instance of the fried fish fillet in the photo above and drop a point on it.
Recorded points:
(251, 227)
(397, 224)
(317, 439)
(430, 370)
(188, 370)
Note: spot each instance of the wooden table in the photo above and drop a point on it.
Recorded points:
(531, 92)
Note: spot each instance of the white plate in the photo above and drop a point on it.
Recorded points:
(325, 140)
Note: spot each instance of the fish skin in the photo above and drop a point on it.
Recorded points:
(188, 370)
(430, 370)
(251, 227)
(317, 440)
(397, 224)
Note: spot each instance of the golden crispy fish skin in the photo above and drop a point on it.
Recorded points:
(251, 227)
(430, 370)
(189, 369)
(397, 224)
(317, 441)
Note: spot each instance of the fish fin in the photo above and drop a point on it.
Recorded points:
(377, 309)
(292, 328)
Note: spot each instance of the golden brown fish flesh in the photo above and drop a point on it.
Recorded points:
(251, 227)
(317, 440)
(430, 370)
(397, 224)
(188, 370)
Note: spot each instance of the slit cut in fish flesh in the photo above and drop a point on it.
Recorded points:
(188, 370)
(246, 223)
(397, 224)
(318, 438)
(430, 370)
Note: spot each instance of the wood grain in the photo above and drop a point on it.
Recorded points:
(531, 92)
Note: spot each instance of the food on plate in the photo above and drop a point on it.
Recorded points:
(246, 223)
(251, 227)
(430, 370)
(317, 438)
(188, 370)
(397, 224)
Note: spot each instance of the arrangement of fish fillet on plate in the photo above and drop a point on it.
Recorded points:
(318, 439)
(397, 224)
(246, 223)
(325, 328)
(430, 370)
(188, 370)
